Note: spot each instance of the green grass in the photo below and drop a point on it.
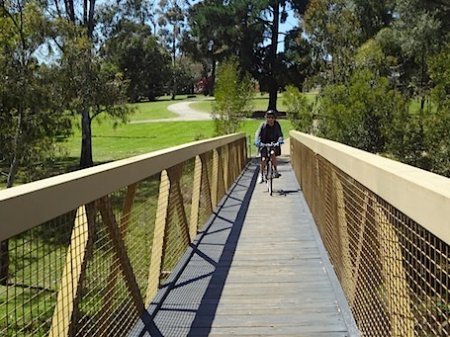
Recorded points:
(141, 135)
(157, 109)
(260, 102)
(128, 140)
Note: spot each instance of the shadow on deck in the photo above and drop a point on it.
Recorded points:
(258, 268)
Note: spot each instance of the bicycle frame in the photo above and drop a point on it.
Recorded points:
(269, 165)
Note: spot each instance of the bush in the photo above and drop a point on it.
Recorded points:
(299, 112)
(233, 94)
(361, 113)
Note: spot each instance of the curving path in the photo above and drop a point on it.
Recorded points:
(184, 112)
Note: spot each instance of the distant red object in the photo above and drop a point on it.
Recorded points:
(202, 86)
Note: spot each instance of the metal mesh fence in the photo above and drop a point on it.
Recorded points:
(92, 271)
(394, 272)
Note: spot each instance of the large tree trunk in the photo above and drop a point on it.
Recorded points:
(86, 140)
(273, 85)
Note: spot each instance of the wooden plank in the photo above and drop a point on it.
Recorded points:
(105, 208)
(110, 290)
(195, 205)
(64, 316)
(257, 270)
(162, 214)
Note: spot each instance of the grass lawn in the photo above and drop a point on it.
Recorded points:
(111, 142)
(128, 140)
(260, 102)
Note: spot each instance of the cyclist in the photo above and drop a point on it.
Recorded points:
(269, 131)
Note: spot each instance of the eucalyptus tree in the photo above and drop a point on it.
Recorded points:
(438, 123)
(91, 86)
(373, 15)
(335, 34)
(422, 28)
(361, 112)
(239, 34)
(30, 115)
(233, 94)
(144, 63)
(172, 22)
(249, 30)
(30, 111)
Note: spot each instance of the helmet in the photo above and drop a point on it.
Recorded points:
(271, 113)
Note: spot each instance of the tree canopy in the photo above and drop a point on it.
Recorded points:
(355, 53)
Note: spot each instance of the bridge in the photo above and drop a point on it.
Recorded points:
(183, 242)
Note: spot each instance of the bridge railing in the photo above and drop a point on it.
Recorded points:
(386, 227)
(84, 253)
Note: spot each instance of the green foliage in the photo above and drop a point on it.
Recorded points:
(335, 33)
(370, 56)
(233, 97)
(140, 58)
(31, 116)
(184, 77)
(438, 125)
(298, 110)
(361, 113)
(89, 86)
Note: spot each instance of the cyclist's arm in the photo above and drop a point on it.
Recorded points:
(278, 129)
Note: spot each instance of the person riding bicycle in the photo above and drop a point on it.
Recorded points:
(269, 131)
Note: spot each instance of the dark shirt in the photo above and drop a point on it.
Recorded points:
(267, 133)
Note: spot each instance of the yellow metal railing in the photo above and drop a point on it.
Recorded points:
(87, 251)
(386, 227)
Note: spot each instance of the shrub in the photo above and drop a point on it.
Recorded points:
(233, 93)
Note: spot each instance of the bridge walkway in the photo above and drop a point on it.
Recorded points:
(258, 268)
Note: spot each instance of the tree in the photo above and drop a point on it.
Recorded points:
(30, 115)
(249, 30)
(298, 110)
(91, 86)
(233, 97)
(239, 34)
(360, 114)
(295, 63)
(272, 15)
(144, 63)
(438, 123)
(421, 28)
(373, 15)
(335, 34)
(173, 21)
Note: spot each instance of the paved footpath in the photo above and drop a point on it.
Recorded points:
(184, 112)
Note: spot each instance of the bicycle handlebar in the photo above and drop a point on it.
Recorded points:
(271, 144)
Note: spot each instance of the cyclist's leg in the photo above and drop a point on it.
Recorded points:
(262, 164)
(275, 163)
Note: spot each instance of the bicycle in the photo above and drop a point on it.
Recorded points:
(268, 176)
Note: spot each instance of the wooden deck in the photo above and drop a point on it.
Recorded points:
(258, 269)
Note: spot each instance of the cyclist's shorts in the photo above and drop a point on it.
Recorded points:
(263, 151)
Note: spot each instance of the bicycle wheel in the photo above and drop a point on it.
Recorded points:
(269, 177)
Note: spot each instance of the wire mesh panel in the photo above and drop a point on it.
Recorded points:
(29, 288)
(92, 271)
(395, 272)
